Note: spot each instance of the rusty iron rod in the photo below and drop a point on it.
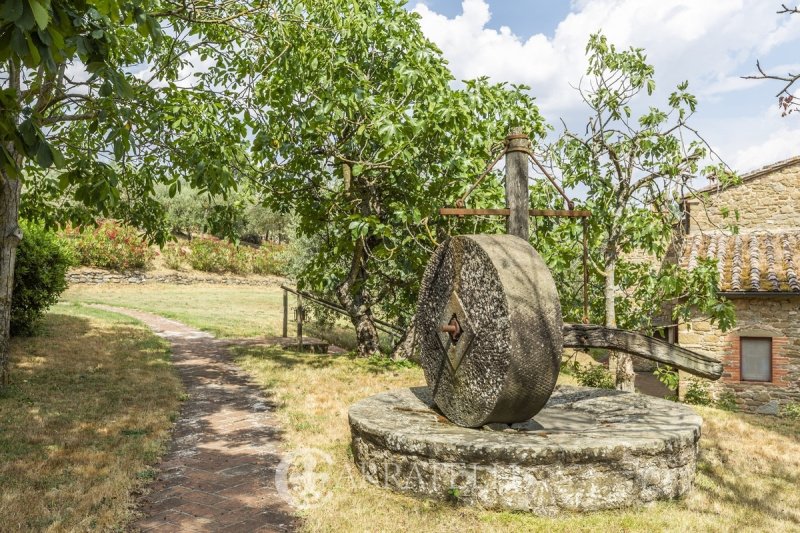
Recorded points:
(552, 180)
(461, 202)
(506, 212)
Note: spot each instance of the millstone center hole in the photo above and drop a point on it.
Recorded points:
(453, 328)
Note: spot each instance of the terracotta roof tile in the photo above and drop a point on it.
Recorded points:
(753, 261)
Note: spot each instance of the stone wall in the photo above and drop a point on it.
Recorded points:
(767, 199)
(98, 277)
(775, 317)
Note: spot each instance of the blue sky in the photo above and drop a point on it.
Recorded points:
(710, 43)
(524, 17)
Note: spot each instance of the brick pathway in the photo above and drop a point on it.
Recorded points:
(219, 474)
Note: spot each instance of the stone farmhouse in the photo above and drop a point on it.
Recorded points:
(759, 271)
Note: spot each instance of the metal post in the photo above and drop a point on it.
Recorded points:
(285, 313)
(299, 323)
(517, 194)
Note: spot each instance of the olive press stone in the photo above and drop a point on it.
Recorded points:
(587, 450)
(498, 358)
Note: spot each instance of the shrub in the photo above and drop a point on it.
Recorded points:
(592, 375)
(697, 393)
(175, 256)
(727, 402)
(270, 259)
(113, 246)
(39, 277)
(209, 254)
(668, 376)
(213, 255)
(791, 410)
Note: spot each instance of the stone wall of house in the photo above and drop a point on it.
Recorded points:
(778, 318)
(768, 199)
(98, 277)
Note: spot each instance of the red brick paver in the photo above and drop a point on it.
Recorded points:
(219, 474)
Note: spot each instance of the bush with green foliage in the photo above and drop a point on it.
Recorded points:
(668, 376)
(697, 393)
(213, 255)
(175, 256)
(591, 375)
(39, 277)
(270, 259)
(209, 254)
(111, 245)
(791, 410)
(727, 401)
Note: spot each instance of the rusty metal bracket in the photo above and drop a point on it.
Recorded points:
(460, 210)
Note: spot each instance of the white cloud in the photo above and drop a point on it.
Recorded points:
(700, 41)
(762, 139)
(710, 43)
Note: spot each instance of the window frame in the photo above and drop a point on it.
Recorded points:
(741, 360)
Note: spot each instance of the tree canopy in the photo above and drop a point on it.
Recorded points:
(636, 168)
(359, 131)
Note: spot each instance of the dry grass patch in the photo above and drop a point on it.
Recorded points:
(90, 407)
(747, 478)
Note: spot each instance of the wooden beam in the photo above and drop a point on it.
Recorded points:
(458, 211)
(517, 192)
(590, 336)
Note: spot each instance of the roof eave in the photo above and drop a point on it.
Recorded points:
(759, 294)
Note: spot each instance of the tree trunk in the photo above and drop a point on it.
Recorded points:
(619, 362)
(9, 239)
(352, 291)
(407, 347)
(351, 294)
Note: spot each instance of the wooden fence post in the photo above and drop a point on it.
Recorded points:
(299, 323)
(285, 313)
(517, 193)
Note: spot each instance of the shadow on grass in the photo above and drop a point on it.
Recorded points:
(783, 426)
(289, 359)
(760, 493)
(83, 400)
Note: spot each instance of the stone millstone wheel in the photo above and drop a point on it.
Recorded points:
(499, 359)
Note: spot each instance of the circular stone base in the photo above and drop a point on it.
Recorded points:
(588, 449)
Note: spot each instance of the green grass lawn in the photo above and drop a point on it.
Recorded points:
(748, 473)
(226, 311)
(89, 409)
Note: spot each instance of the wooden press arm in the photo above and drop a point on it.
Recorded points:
(590, 336)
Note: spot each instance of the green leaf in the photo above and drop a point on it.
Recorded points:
(119, 148)
(43, 155)
(41, 12)
(58, 158)
(64, 181)
(12, 10)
